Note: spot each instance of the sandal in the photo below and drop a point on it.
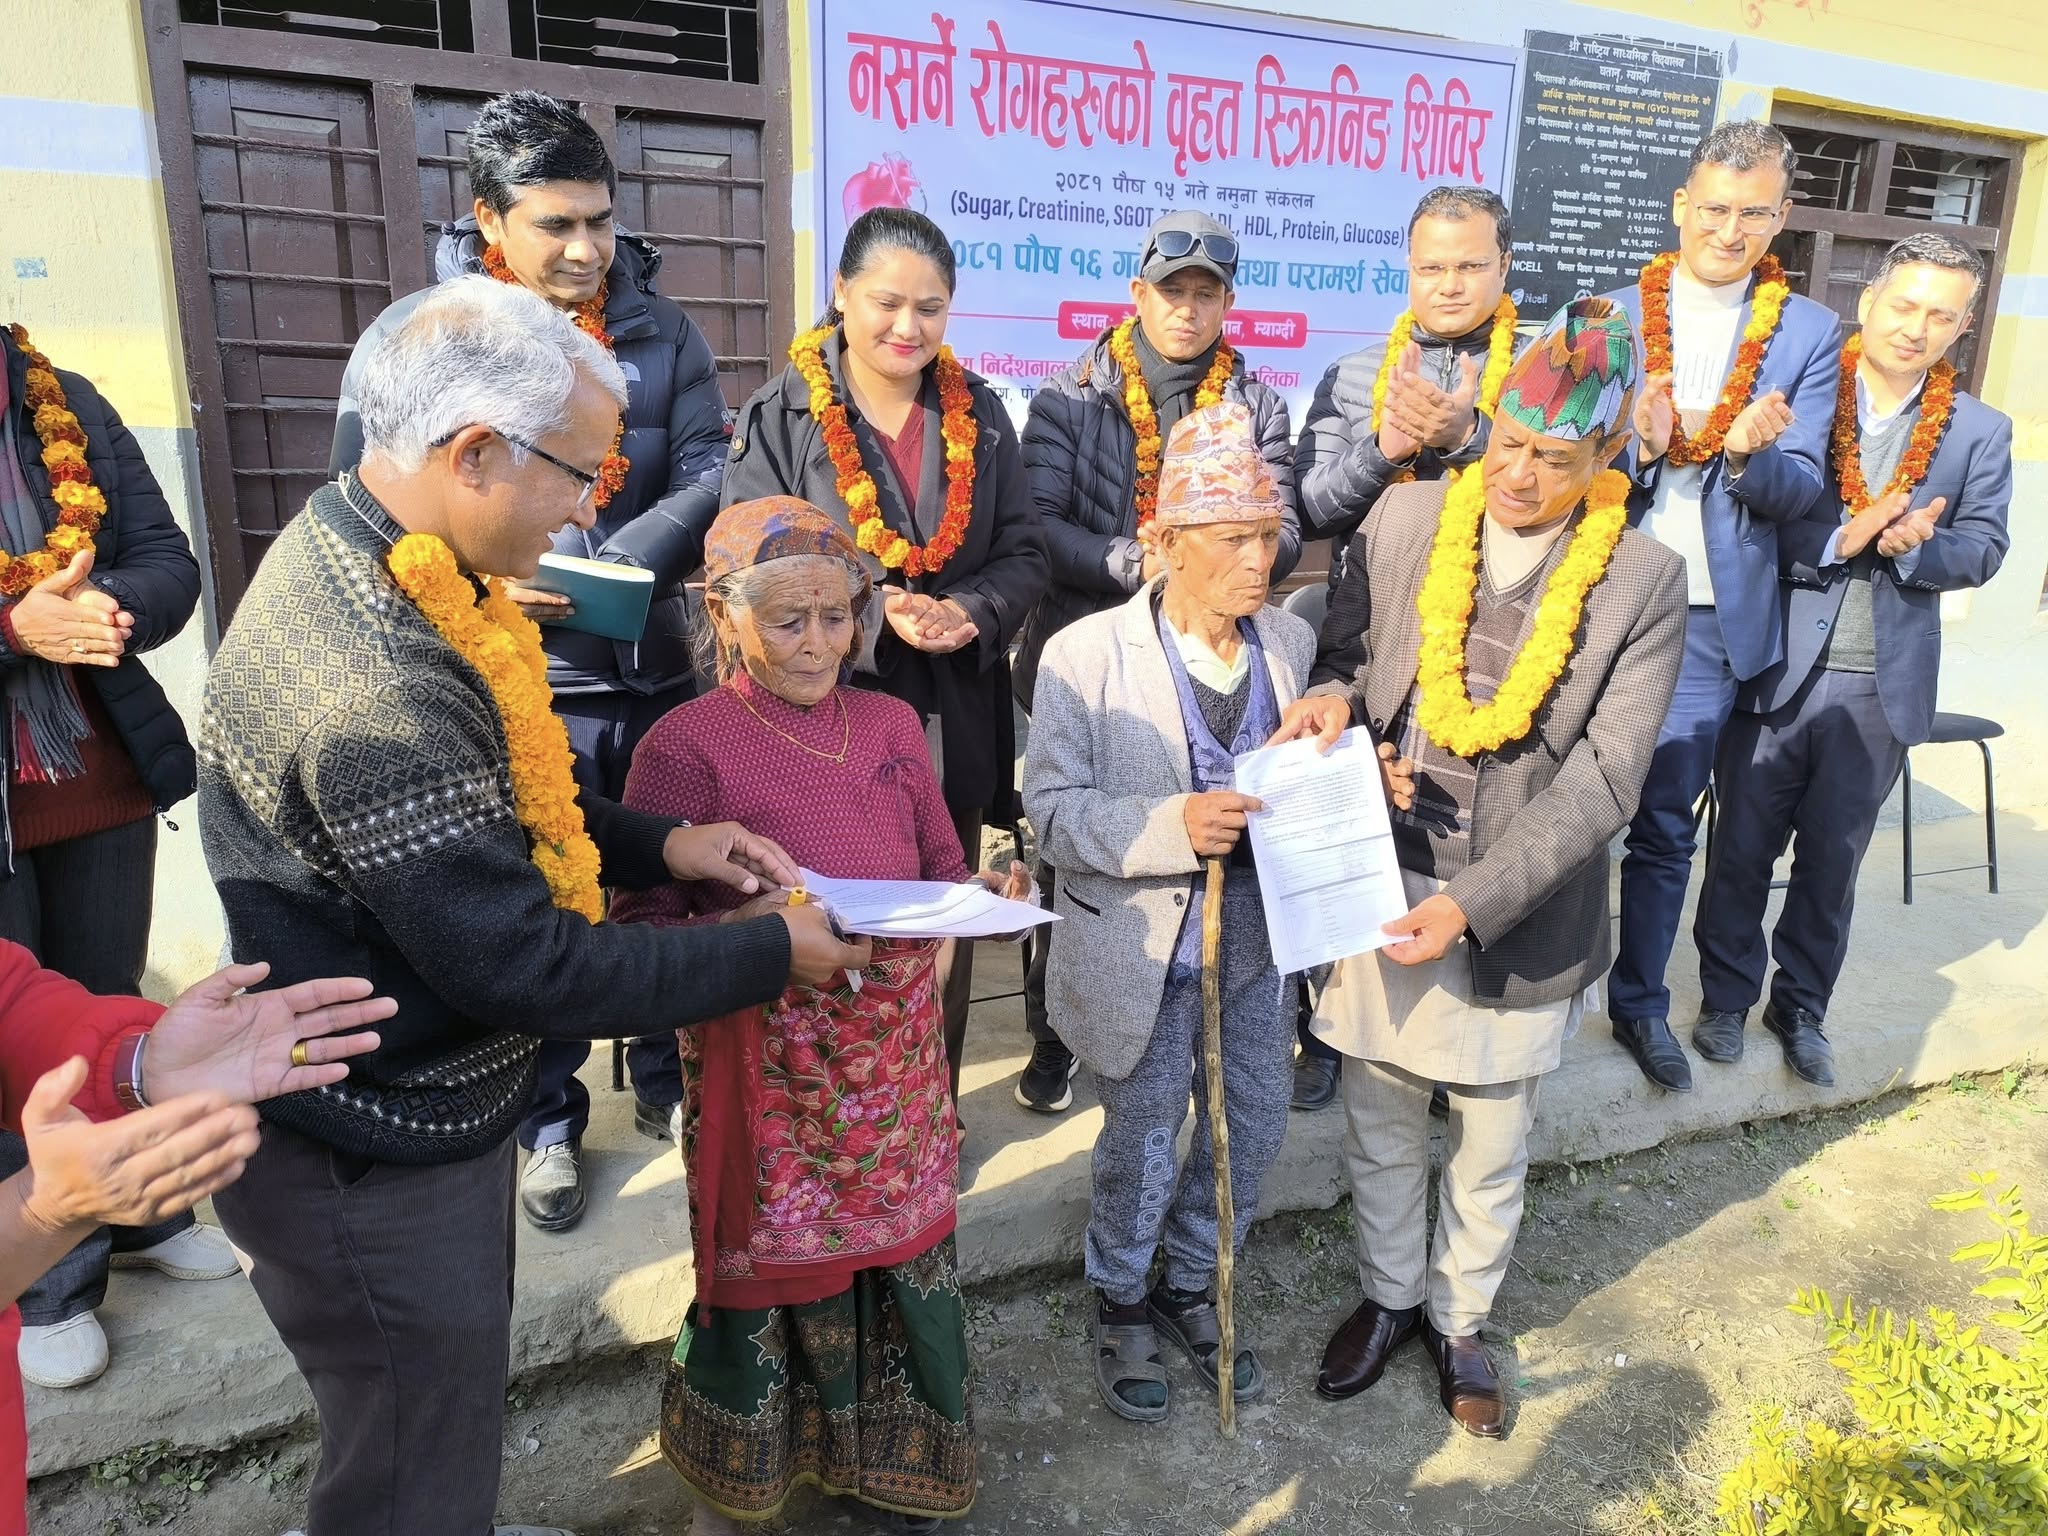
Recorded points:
(1127, 1354)
(1199, 1335)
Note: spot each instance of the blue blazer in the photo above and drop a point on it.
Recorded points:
(1741, 513)
(1972, 468)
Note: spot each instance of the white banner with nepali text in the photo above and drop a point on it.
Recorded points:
(1045, 136)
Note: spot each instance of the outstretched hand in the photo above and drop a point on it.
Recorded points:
(217, 1037)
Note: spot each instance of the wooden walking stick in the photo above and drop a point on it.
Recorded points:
(1219, 1148)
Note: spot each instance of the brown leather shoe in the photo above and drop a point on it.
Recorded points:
(1467, 1382)
(1359, 1350)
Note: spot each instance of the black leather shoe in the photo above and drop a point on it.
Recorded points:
(1657, 1052)
(657, 1121)
(1315, 1082)
(1717, 1034)
(551, 1188)
(1807, 1051)
(1359, 1350)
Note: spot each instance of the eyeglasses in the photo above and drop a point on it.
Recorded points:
(1173, 244)
(1751, 221)
(582, 477)
(1433, 272)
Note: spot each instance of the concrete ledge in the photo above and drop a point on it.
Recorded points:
(1957, 983)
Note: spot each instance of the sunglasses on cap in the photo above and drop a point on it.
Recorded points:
(1173, 244)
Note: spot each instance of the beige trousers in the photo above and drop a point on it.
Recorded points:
(1386, 1154)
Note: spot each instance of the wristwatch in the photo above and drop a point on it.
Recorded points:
(128, 1072)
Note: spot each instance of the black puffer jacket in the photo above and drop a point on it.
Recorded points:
(677, 427)
(1081, 453)
(142, 560)
(996, 575)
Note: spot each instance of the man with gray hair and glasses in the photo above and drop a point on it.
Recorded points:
(384, 792)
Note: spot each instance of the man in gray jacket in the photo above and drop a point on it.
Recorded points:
(1441, 390)
(1081, 452)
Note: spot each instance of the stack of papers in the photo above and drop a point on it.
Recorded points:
(921, 909)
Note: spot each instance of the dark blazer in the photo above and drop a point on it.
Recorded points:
(1535, 892)
(1972, 469)
(1741, 513)
(1081, 453)
(997, 574)
(141, 559)
(676, 430)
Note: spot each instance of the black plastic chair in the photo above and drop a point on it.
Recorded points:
(1311, 603)
(1949, 729)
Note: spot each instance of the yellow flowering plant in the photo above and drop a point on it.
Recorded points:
(1447, 712)
(504, 645)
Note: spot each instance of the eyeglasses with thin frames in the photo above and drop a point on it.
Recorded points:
(582, 477)
(1433, 272)
(1751, 221)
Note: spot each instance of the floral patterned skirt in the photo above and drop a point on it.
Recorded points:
(863, 1394)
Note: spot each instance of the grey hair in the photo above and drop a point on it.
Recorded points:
(741, 590)
(1931, 248)
(475, 352)
(1744, 145)
(1460, 203)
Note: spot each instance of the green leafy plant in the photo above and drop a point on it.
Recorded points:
(1952, 1430)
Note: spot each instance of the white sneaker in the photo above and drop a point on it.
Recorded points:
(66, 1354)
(198, 1252)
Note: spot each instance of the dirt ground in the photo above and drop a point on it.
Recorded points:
(1642, 1320)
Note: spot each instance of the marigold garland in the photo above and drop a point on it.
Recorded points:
(80, 503)
(1766, 304)
(1937, 402)
(856, 486)
(1145, 420)
(589, 319)
(504, 645)
(1446, 711)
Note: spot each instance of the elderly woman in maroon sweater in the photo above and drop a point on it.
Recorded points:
(827, 1343)
(69, 1059)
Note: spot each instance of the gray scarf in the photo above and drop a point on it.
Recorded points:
(43, 718)
(1171, 385)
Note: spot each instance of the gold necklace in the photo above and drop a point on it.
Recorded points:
(845, 730)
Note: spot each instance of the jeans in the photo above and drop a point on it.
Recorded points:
(82, 908)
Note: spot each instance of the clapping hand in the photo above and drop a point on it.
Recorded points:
(1655, 419)
(1425, 414)
(65, 619)
(1762, 422)
(1912, 530)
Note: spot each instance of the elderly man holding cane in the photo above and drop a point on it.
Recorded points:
(385, 791)
(1139, 712)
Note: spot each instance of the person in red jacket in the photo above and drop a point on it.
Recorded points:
(189, 1072)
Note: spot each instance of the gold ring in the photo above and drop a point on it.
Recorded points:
(77, 646)
(299, 1055)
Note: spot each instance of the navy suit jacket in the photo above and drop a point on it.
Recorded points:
(1972, 469)
(1741, 513)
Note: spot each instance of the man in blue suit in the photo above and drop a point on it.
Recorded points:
(1717, 497)
(1818, 739)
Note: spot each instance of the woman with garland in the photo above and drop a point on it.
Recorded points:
(827, 1342)
(1092, 447)
(876, 422)
(1528, 699)
(93, 572)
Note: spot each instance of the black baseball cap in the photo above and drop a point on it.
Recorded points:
(1193, 240)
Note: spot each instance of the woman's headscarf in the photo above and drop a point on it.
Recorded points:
(750, 533)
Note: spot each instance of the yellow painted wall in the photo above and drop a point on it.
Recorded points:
(107, 308)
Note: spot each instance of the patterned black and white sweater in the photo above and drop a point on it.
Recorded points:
(355, 805)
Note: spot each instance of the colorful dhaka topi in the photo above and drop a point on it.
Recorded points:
(1214, 472)
(1577, 378)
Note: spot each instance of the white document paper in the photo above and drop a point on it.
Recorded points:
(1328, 877)
(922, 909)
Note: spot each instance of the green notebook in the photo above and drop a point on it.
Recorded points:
(610, 600)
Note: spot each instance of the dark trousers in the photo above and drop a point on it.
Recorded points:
(1815, 772)
(1658, 862)
(82, 908)
(391, 1285)
(956, 960)
(604, 728)
(1036, 1018)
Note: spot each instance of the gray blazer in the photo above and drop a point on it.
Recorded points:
(1535, 892)
(1106, 783)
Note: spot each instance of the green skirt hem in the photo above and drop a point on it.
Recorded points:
(807, 1479)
